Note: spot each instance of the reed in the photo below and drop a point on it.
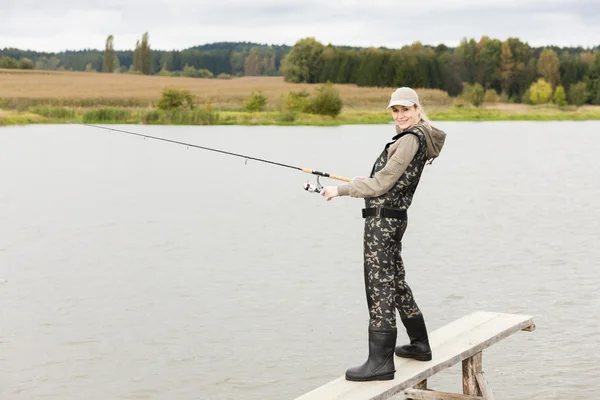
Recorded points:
(15, 118)
(177, 117)
(108, 114)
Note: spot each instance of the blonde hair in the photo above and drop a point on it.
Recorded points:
(423, 119)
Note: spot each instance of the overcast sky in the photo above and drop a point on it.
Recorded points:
(57, 25)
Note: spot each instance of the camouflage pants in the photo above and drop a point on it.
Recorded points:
(385, 287)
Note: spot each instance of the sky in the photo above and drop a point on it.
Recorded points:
(60, 25)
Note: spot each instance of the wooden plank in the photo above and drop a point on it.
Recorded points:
(340, 387)
(421, 385)
(451, 344)
(470, 368)
(485, 388)
(530, 328)
(416, 394)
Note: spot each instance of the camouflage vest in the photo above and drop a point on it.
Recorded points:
(400, 195)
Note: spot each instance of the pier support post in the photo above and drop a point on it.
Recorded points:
(470, 368)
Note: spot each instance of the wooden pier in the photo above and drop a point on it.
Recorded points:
(460, 341)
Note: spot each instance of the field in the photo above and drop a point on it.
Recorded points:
(33, 96)
(87, 89)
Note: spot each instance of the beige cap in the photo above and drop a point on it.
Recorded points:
(404, 96)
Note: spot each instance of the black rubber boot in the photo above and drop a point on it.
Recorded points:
(418, 348)
(380, 364)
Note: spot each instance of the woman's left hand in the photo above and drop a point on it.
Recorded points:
(329, 192)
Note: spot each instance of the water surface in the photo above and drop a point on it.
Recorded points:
(134, 268)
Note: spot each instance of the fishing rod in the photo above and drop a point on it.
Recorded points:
(307, 186)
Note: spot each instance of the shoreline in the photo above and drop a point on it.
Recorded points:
(204, 116)
(57, 115)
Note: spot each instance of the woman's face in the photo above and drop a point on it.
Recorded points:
(405, 116)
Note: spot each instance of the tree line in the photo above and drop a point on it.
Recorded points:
(508, 67)
(223, 58)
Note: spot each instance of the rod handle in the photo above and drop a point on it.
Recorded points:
(326, 175)
(340, 178)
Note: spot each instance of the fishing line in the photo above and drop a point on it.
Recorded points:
(307, 186)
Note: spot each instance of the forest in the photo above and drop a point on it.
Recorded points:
(512, 69)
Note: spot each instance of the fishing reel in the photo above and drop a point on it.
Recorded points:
(313, 189)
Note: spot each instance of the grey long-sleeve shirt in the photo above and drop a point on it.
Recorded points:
(400, 155)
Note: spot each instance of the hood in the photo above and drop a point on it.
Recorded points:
(434, 138)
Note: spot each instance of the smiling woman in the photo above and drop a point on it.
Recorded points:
(388, 193)
(406, 108)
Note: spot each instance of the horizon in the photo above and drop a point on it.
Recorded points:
(101, 49)
(67, 25)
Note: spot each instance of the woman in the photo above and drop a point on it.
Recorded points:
(388, 193)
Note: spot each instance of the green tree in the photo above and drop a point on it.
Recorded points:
(549, 67)
(9, 62)
(260, 62)
(592, 79)
(109, 56)
(489, 63)
(25, 63)
(524, 71)
(304, 62)
(116, 65)
(450, 67)
(572, 70)
(142, 56)
(146, 54)
(578, 94)
(540, 92)
(137, 58)
(507, 67)
(560, 97)
(467, 50)
(236, 60)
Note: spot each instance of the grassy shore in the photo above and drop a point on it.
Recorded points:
(29, 97)
(57, 115)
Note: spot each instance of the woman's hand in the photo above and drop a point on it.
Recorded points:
(329, 192)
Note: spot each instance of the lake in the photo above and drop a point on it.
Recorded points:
(133, 268)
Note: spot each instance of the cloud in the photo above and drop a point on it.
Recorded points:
(177, 24)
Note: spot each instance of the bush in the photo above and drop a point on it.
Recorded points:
(223, 75)
(560, 97)
(256, 102)
(191, 72)
(474, 94)
(491, 96)
(327, 101)
(459, 102)
(526, 98)
(540, 92)
(8, 62)
(165, 72)
(286, 117)
(176, 99)
(25, 63)
(297, 101)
